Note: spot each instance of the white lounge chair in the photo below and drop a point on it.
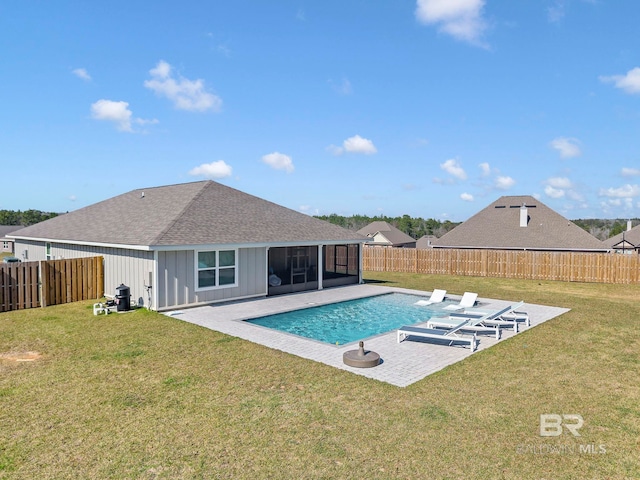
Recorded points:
(507, 317)
(449, 335)
(489, 322)
(468, 300)
(437, 296)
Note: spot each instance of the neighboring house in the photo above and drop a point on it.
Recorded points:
(384, 234)
(519, 223)
(627, 241)
(6, 243)
(198, 243)
(426, 241)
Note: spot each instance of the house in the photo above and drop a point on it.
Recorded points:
(627, 241)
(386, 235)
(425, 241)
(519, 223)
(198, 243)
(6, 243)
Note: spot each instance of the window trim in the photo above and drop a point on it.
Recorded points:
(217, 269)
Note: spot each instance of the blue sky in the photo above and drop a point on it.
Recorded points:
(430, 108)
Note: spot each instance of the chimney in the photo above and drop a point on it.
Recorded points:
(628, 225)
(523, 216)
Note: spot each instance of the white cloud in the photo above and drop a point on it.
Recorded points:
(556, 12)
(142, 121)
(486, 169)
(279, 161)
(559, 182)
(553, 192)
(504, 183)
(117, 112)
(567, 147)
(185, 94)
(630, 172)
(630, 82)
(343, 87)
(626, 191)
(218, 169)
(462, 19)
(355, 144)
(467, 197)
(452, 167)
(614, 205)
(561, 187)
(82, 73)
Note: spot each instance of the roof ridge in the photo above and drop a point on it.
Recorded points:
(157, 238)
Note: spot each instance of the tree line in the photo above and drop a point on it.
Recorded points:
(605, 228)
(418, 227)
(414, 227)
(26, 218)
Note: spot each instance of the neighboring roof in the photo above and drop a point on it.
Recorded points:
(425, 241)
(197, 213)
(388, 231)
(498, 227)
(631, 239)
(7, 229)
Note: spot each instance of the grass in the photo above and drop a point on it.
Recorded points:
(142, 395)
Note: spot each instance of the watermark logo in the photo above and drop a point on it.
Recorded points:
(551, 424)
(555, 425)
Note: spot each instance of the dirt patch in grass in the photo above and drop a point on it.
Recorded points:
(21, 356)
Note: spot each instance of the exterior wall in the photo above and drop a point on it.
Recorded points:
(6, 245)
(130, 267)
(176, 282)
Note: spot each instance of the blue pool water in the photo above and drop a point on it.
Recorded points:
(353, 320)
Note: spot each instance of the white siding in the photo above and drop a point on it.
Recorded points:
(177, 278)
(121, 266)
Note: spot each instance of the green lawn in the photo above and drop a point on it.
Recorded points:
(142, 395)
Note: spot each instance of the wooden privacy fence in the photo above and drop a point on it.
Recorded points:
(524, 264)
(50, 282)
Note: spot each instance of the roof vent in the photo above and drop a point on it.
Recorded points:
(523, 216)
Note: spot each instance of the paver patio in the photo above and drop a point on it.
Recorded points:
(402, 363)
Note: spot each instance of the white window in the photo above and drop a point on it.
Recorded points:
(48, 251)
(216, 269)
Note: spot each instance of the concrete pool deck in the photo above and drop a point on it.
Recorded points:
(402, 363)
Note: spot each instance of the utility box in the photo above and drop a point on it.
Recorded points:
(123, 298)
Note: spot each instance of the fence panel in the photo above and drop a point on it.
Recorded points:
(72, 280)
(51, 282)
(522, 264)
(19, 286)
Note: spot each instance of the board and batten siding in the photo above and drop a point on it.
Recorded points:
(121, 265)
(177, 279)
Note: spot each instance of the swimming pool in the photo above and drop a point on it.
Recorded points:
(352, 320)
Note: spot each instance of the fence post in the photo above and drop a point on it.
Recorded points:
(41, 290)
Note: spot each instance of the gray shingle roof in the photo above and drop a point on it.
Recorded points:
(197, 213)
(631, 238)
(498, 226)
(7, 229)
(391, 233)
